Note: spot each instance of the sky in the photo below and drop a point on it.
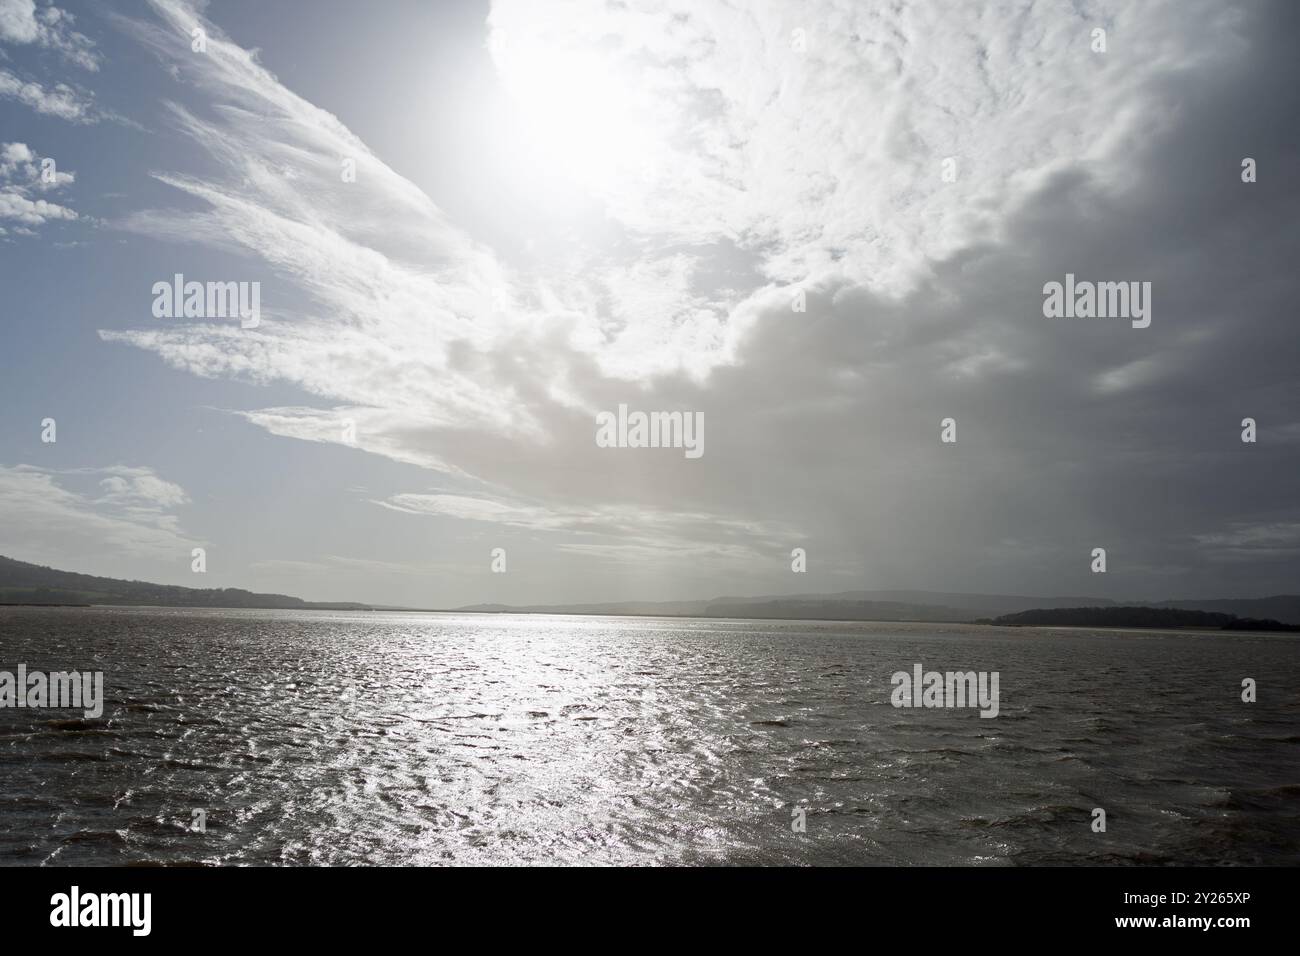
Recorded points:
(821, 229)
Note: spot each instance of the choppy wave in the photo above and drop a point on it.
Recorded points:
(325, 738)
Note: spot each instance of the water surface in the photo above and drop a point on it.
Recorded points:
(338, 738)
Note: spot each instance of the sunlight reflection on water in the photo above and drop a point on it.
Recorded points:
(318, 737)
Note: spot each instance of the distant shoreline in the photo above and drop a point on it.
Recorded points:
(1132, 628)
(46, 604)
(23, 584)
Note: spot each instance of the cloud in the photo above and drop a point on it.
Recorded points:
(32, 212)
(59, 100)
(21, 176)
(1246, 541)
(763, 169)
(20, 165)
(333, 564)
(628, 531)
(129, 515)
(23, 22)
(815, 136)
(139, 489)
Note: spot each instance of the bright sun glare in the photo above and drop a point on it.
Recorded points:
(578, 111)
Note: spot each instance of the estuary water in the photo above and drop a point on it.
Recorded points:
(234, 737)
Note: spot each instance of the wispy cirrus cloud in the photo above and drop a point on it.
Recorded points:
(128, 511)
(628, 530)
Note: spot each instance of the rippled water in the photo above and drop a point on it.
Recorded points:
(325, 738)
